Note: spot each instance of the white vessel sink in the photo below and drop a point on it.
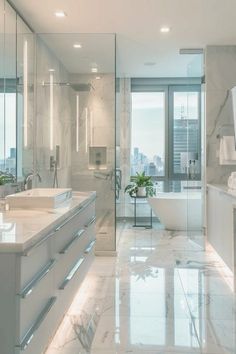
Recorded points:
(39, 198)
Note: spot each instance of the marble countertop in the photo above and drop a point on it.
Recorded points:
(22, 228)
(223, 188)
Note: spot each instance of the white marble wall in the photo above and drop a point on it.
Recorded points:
(61, 117)
(99, 102)
(220, 71)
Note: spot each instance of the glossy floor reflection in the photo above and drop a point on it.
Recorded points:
(162, 294)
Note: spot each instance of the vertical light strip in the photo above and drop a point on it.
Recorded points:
(77, 123)
(91, 128)
(51, 111)
(86, 129)
(25, 92)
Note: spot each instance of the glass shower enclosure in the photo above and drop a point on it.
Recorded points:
(75, 120)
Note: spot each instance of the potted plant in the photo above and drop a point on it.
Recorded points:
(5, 179)
(141, 186)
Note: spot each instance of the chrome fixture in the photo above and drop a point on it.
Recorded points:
(28, 181)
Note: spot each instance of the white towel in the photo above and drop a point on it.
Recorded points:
(227, 154)
(232, 182)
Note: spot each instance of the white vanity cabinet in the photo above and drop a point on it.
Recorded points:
(220, 222)
(38, 285)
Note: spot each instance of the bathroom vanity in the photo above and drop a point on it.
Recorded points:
(44, 256)
(221, 213)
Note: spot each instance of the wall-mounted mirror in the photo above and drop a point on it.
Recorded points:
(16, 93)
(8, 89)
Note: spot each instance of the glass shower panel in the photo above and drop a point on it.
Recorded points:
(186, 154)
(76, 120)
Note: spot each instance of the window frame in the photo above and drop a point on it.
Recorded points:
(169, 90)
(172, 90)
(163, 89)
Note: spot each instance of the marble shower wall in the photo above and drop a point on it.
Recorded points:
(96, 129)
(124, 205)
(123, 142)
(220, 71)
(46, 60)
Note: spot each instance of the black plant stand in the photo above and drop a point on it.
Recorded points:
(148, 226)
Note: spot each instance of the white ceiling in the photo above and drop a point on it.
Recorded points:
(194, 24)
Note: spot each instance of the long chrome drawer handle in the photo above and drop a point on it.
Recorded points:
(28, 250)
(27, 290)
(90, 246)
(90, 222)
(70, 243)
(74, 215)
(71, 273)
(31, 332)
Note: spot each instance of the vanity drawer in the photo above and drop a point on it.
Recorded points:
(31, 306)
(80, 222)
(68, 256)
(40, 331)
(73, 279)
(34, 259)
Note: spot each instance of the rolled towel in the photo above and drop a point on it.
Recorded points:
(232, 182)
(227, 154)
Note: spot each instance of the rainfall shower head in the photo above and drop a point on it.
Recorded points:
(76, 86)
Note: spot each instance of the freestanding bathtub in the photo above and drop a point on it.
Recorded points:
(178, 211)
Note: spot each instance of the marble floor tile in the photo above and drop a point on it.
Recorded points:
(212, 307)
(162, 294)
(144, 333)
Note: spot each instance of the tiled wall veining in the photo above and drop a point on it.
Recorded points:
(96, 129)
(220, 70)
(46, 62)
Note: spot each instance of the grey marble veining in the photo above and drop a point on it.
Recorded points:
(220, 75)
(47, 60)
(97, 128)
(142, 302)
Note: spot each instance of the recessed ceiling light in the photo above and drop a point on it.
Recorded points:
(165, 29)
(60, 13)
(77, 45)
(98, 77)
(94, 70)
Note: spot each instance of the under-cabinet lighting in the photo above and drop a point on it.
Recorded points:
(51, 111)
(25, 89)
(77, 123)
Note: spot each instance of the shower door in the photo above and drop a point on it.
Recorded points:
(185, 152)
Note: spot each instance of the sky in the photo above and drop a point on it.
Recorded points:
(148, 119)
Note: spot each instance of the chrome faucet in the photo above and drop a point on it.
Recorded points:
(29, 180)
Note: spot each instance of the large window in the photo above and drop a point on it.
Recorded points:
(166, 132)
(148, 133)
(185, 132)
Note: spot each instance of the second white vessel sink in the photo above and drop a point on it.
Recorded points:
(39, 198)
